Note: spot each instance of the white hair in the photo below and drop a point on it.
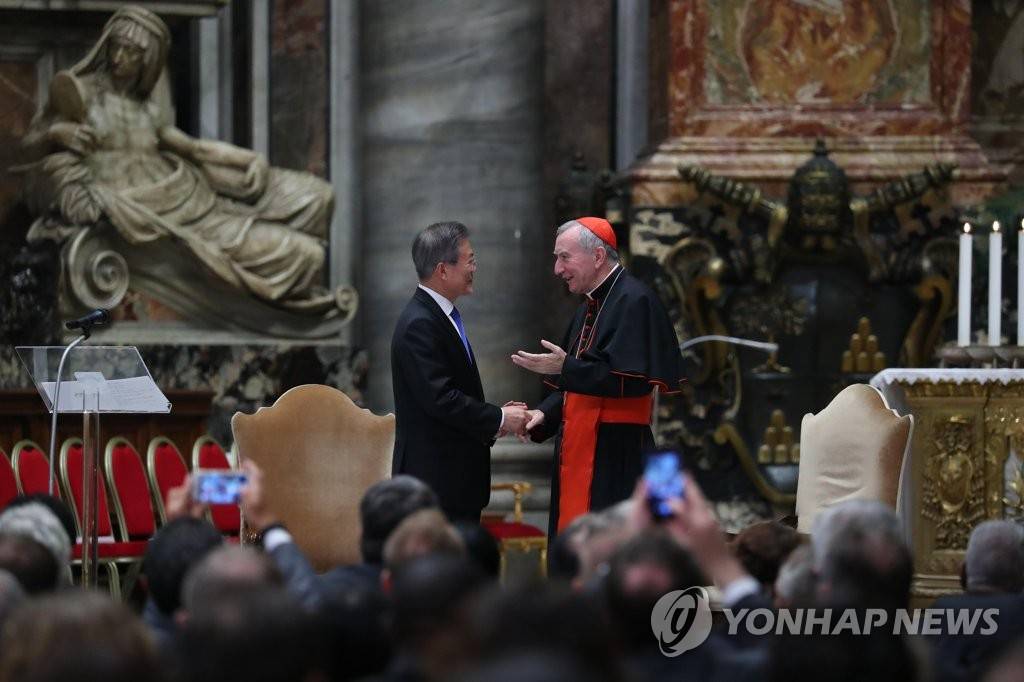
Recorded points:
(589, 240)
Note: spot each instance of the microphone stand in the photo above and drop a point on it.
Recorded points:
(86, 332)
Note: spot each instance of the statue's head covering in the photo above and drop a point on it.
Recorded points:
(142, 27)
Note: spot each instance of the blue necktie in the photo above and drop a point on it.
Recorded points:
(462, 332)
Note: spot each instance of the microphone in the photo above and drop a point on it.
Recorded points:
(86, 322)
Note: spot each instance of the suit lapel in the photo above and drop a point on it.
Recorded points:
(449, 329)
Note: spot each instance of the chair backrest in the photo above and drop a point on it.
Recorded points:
(72, 479)
(31, 468)
(319, 453)
(126, 478)
(852, 449)
(166, 469)
(207, 453)
(8, 481)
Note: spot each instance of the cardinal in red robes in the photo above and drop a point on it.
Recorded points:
(619, 347)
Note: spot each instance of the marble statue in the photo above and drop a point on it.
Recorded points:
(108, 155)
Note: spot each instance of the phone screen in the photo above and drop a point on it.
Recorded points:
(218, 487)
(665, 481)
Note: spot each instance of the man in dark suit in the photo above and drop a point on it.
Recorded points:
(993, 578)
(445, 429)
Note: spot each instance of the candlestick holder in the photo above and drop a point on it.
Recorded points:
(1008, 356)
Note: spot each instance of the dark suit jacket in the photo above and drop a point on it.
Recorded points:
(965, 657)
(444, 427)
(312, 589)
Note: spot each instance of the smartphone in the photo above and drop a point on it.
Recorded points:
(217, 486)
(665, 481)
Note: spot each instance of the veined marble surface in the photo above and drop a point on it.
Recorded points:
(452, 130)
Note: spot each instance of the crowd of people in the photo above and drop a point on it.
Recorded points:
(426, 603)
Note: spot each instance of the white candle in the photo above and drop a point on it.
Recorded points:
(1020, 284)
(963, 317)
(995, 284)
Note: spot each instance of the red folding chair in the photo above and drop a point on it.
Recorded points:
(166, 469)
(31, 468)
(209, 454)
(110, 551)
(133, 503)
(8, 481)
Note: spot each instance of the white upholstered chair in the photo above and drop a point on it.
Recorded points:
(319, 453)
(853, 449)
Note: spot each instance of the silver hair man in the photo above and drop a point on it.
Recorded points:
(995, 558)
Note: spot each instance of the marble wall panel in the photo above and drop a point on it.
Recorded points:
(18, 86)
(786, 52)
(997, 84)
(299, 88)
(746, 68)
(579, 95)
(452, 130)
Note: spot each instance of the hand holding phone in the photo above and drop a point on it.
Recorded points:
(665, 481)
(217, 486)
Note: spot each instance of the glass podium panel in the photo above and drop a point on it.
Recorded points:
(106, 379)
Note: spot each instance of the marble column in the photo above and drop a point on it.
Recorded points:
(631, 81)
(452, 130)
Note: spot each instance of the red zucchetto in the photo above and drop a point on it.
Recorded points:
(602, 228)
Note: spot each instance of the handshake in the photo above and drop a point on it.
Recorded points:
(518, 420)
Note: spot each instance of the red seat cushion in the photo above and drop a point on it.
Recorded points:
(508, 530)
(114, 550)
(75, 480)
(129, 479)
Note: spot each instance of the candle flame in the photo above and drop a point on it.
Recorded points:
(995, 226)
(967, 227)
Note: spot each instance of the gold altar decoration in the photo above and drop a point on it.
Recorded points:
(963, 435)
(863, 354)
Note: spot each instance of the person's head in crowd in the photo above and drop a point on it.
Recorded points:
(172, 551)
(31, 563)
(641, 571)
(355, 626)
(547, 618)
(860, 556)
(432, 605)
(527, 665)
(603, 535)
(228, 572)
(762, 547)
(877, 656)
(1009, 667)
(796, 584)
(262, 635)
(995, 558)
(420, 534)
(481, 547)
(56, 505)
(38, 521)
(12, 595)
(564, 554)
(385, 505)
(76, 635)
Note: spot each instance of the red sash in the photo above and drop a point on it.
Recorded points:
(581, 415)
